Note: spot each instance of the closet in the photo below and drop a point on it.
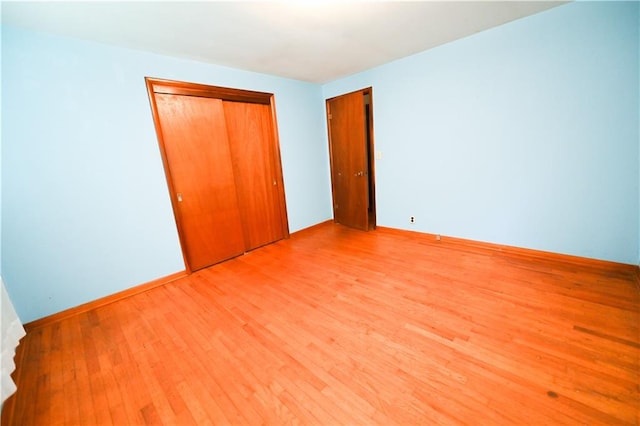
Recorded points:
(221, 158)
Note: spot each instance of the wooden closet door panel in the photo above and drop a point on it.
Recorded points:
(196, 146)
(255, 164)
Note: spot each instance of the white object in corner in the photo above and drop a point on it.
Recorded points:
(12, 332)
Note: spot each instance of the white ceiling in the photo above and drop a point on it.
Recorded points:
(313, 41)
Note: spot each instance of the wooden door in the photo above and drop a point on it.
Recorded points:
(194, 133)
(222, 162)
(349, 161)
(256, 167)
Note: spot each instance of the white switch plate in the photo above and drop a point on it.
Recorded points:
(378, 155)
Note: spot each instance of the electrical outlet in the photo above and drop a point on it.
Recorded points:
(412, 219)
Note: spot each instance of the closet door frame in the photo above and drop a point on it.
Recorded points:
(171, 87)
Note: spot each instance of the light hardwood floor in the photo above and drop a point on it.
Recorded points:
(336, 326)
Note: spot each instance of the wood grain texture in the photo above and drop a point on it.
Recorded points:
(337, 326)
(349, 162)
(222, 162)
(172, 87)
(94, 304)
(196, 145)
(255, 166)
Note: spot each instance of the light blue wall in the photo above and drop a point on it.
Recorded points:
(525, 135)
(86, 210)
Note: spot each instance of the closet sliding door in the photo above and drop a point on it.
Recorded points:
(222, 162)
(256, 173)
(205, 203)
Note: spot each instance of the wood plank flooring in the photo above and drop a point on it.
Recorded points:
(336, 326)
